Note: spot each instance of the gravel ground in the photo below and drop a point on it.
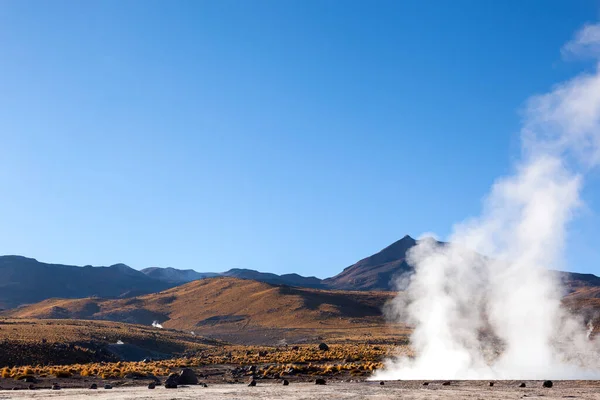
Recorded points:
(339, 390)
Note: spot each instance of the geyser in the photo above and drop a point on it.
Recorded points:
(499, 316)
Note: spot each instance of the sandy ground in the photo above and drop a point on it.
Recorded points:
(339, 390)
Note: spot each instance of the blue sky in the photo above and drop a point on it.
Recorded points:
(283, 136)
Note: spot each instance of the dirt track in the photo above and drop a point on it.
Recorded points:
(339, 390)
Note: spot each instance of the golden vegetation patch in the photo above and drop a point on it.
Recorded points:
(273, 362)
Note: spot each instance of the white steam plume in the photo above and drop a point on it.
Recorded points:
(500, 316)
(156, 324)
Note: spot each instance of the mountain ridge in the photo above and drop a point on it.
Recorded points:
(26, 280)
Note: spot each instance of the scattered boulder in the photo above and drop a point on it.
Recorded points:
(172, 381)
(522, 385)
(491, 383)
(382, 383)
(286, 382)
(252, 383)
(425, 383)
(93, 386)
(55, 386)
(547, 384)
(323, 347)
(187, 377)
(152, 385)
(30, 379)
(320, 381)
(447, 383)
(108, 386)
(204, 385)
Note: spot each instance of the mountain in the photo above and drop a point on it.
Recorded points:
(372, 273)
(377, 271)
(179, 276)
(240, 310)
(176, 276)
(26, 280)
(572, 281)
(286, 279)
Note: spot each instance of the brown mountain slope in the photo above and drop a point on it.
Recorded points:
(34, 341)
(230, 308)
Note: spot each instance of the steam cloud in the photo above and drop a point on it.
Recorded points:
(500, 316)
(156, 324)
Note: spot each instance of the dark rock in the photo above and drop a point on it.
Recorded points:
(93, 386)
(170, 385)
(252, 383)
(204, 385)
(522, 385)
(320, 381)
(491, 383)
(286, 382)
(425, 383)
(263, 353)
(382, 383)
(108, 386)
(31, 387)
(30, 379)
(187, 377)
(173, 378)
(152, 385)
(323, 347)
(447, 383)
(296, 348)
(56, 386)
(547, 384)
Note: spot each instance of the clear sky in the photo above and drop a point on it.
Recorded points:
(283, 136)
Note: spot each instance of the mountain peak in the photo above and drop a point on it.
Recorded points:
(397, 249)
(376, 271)
(121, 266)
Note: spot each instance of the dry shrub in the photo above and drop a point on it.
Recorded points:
(63, 374)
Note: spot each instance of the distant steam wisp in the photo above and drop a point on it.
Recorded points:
(156, 324)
